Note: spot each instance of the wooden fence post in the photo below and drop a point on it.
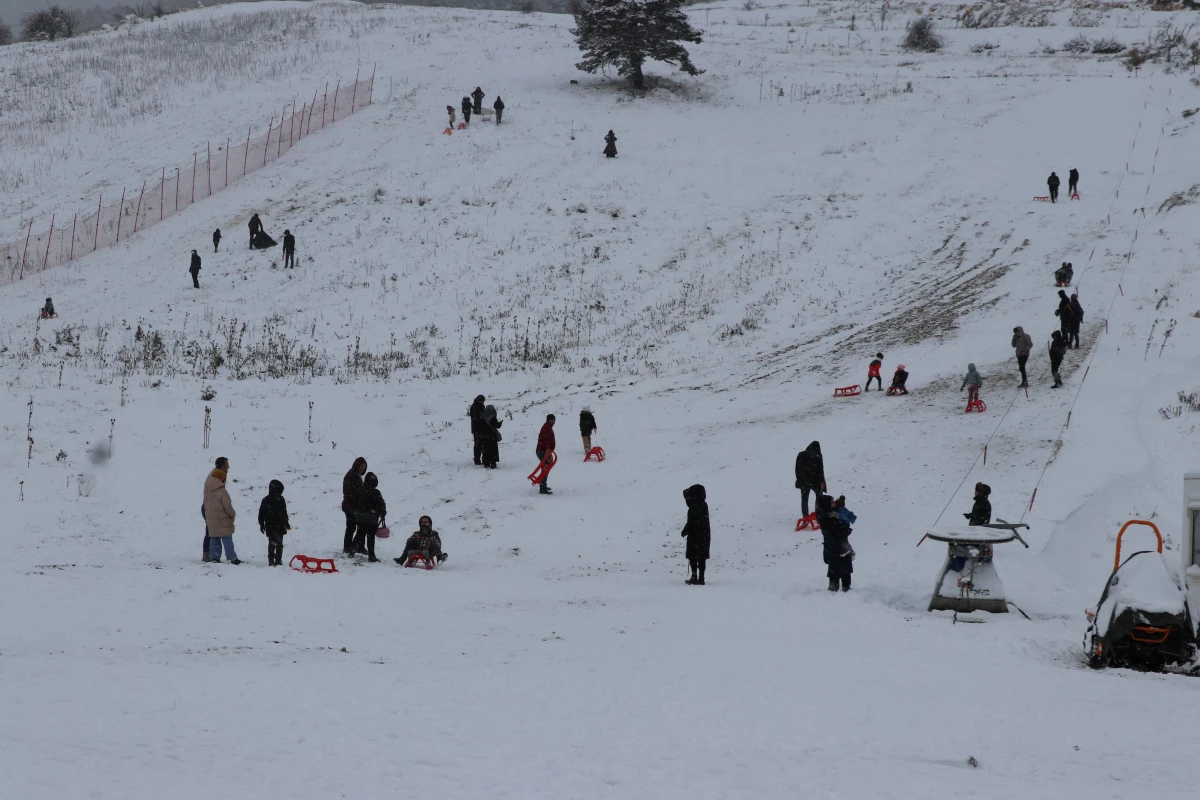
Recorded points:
(72, 256)
(96, 240)
(49, 239)
(246, 158)
(335, 94)
(138, 213)
(162, 189)
(120, 213)
(354, 93)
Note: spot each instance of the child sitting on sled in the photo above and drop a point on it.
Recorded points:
(425, 542)
(898, 380)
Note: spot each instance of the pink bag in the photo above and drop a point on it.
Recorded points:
(382, 533)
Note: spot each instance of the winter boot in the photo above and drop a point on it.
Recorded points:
(545, 490)
(690, 581)
(846, 584)
(236, 561)
(833, 584)
(207, 558)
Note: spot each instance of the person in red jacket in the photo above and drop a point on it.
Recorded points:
(545, 444)
(873, 372)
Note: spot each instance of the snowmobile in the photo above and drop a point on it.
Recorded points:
(1144, 619)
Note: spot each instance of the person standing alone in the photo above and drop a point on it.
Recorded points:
(698, 532)
(216, 240)
(289, 250)
(352, 489)
(1022, 342)
(587, 425)
(498, 107)
(273, 522)
(195, 270)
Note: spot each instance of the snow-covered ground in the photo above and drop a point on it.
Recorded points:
(747, 252)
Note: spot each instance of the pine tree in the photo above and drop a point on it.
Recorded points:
(627, 33)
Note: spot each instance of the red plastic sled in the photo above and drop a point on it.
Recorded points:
(309, 564)
(976, 405)
(448, 131)
(1076, 196)
(847, 391)
(428, 563)
(598, 452)
(896, 390)
(462, 126)
(808, 523)
(543, 468)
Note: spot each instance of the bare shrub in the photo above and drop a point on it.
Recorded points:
(5, 34)
(1079, 44)
(921, 36)
(48, 24)
(983, 47)
(1107, 46)
(1135, 58)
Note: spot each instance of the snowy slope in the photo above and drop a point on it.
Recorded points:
(703, 292)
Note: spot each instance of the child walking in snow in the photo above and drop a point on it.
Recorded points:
(273, 522)
(972, 382)
(873, 372)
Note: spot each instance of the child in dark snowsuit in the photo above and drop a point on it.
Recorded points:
(837, 552)
(697, 533)
(369, 514)
(490, 438)
(273, 522)
(610, 145)
(48, 309)
(981, 511)
(873, 372)
(216, 240)
(898, 380)
(1064, 274)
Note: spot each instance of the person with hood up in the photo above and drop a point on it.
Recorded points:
(810, 474)
(873, 373)
(490, 434)
(1076, 322)
(370, 516)
(898, 381)
(195, 270)
(1022, 342)
(352, 489)
(477, 96)
(587, 425)
(545, 444)
(425, 541)
(475, 412)
(219, 515)
(48, 309)
(697, 532)
(216, 240)
(971, 382)
(273, 522)
(498, 107)
(466, 111)
(836, 550)
(1053, 183)
(289, 250)
(1065, 314)
(1072, 182)
(981, 511)
(1058, 349)
(610, 145)
(256, 227)
(1064, 274)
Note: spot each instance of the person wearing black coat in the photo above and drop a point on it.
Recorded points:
(477, 95)
(273, 522)
(1058, 349)
(587, 425)
(489, 434)
(610, 145)
(195, 270)
(289, 250)
(1076, 321)
(981, 511)
(216, 240)
(1053, 183)
(371, 512)
(697, 532)
(836, 553)
(1072, 182)
(810, 474)
(475, 412)
(1065, 314)
(256, 226)
(497, 106)
(466, 111)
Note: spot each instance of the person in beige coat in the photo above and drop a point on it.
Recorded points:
(219, 514)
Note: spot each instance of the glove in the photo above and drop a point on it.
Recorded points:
(967, 516)
(442, 557)
(797, 484)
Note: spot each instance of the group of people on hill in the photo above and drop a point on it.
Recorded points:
(473, 104)
(362, 503)
(1053, 183)
(259, 240)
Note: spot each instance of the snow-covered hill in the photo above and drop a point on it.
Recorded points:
(816, 196)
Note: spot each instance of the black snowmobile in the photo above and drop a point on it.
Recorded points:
(1144, 619)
